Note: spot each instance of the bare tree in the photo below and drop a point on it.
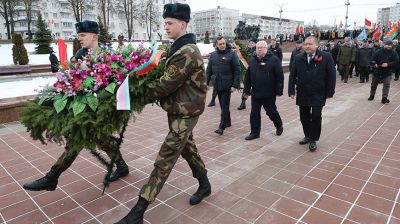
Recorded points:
(105, 9)
(7, 11)
(28, 11)
(78, 8)
(150, 15)
(130, 11)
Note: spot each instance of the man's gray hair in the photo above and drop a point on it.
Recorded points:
(313, 38)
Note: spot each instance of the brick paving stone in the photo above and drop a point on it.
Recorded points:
(272, 179)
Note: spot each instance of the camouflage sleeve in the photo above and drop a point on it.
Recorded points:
(174, 76)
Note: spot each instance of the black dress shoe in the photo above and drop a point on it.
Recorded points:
(219, 131)
(385, 100)
(371, 98)
(304, 141)
(251, 137)
(211, 104)
(279, 130)
(312, 146)
(44, 183)
(242, 106)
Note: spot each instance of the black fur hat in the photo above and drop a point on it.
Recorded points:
(178, 11)
(87, 27)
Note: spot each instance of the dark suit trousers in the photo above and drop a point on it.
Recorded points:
(224, 98)
(269, 107)
(311, 118)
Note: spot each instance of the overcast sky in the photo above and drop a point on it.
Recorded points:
(324, 11)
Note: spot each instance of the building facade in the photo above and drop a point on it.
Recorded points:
(61, 21)
(223, 21)
(218, 22)
(389, 14)
(270, 26)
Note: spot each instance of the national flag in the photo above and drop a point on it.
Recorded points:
(297, 29)
(62, 53)
(301, 30)
(372, 29)
(376, 35)
(242, 59)
(362, 36)
(123, 99)
(367, 24)
(392, 32)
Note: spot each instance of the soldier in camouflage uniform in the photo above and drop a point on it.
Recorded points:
(87, 31)
(182, 92)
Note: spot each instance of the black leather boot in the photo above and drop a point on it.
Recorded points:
(121, 171)
(135, 215)
(203, 191)
(46, 183)
(242, 105)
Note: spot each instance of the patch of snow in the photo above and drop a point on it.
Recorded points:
(23, 86)
(37, 59)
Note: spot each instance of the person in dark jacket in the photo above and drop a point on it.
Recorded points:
(264, 81)
(312, 80)
(363, 61)
(396, 68)
(383, 61)
(298, 50)
(275, 49)
(334, 51)
(53, 62)
(223, 70)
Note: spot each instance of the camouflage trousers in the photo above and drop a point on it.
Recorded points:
(179, 141)
(68, 157)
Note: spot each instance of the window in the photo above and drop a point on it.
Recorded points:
(55, 15)
(46, 15)
(65, 15)
(22, 23)
(44, 4)
(56, 25)
(136, 36)
(144, 36)
(66, 24)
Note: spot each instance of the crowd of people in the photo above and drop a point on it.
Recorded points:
(182, 91)
(379, 59)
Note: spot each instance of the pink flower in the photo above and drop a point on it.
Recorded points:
(120, 76)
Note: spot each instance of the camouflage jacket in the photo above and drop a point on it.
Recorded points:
(182, 88)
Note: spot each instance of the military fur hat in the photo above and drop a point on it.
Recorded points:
(178, 11)
(87, 27)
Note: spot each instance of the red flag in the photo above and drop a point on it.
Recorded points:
(62, 53)
(297, 29)
(367, 23)
(301, 30)
(376, 35)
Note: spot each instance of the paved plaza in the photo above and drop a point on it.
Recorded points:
(353, 177)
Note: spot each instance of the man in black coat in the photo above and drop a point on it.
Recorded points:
(223, 70)
(264, 81)
(383, 61)
(275, 49)
(363, 60)
(53, 62)
(295, 52)
(313, 75)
